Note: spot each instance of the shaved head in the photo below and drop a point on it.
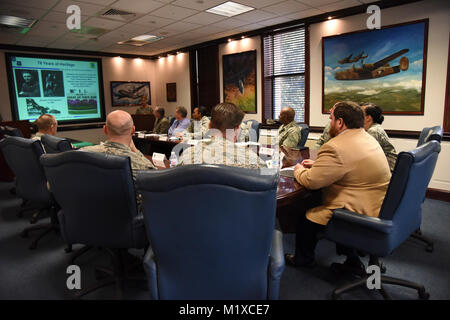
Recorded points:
(119, 123)
(287, 115)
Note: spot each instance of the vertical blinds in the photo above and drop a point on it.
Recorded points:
(284, 73)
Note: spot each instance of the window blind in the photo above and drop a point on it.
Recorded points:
(284, 73)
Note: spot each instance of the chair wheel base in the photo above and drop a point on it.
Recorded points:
(32, 246)
(429, 248)
(423, 295)
(24, 234)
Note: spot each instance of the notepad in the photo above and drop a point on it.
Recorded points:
(287, 172)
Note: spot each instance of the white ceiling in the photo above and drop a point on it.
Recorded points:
(182, 22)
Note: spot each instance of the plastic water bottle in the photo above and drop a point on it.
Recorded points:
(173, 160)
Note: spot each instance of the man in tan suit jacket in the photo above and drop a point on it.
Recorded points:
(352, 171)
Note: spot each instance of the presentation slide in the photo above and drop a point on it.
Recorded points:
(70, 89)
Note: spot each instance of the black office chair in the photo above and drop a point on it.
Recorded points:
(428, 134)
(22, 156)
(400, 216)
(212, 233)
(305, 132)
(54, 144)
(98, 206)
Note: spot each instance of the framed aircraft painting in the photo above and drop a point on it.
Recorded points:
(239, 80)
(129, 93)
(385, 66)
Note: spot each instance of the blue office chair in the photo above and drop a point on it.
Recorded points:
(11, 131)
(305, 132)
(428, 134)
(22, 156)
(54, 144)
(400, 216)
(255, 126)
(431, 133)
(98, 206)
(211, 230)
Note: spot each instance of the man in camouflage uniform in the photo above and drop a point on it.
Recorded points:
(162, 124)
(325, 137)
(225, 125)
(289, 134)
(200, 123)
(119, 129)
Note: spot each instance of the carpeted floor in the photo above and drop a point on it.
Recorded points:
(41, 273)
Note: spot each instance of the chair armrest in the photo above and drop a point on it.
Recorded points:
(151, 270)
(375, 224)
(276, 265)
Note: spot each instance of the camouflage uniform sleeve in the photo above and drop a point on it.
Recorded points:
(380, 135)
(324, 138)
(205, 124)
(190, 129)
(164, 127)
(293, 137)
(140, 162)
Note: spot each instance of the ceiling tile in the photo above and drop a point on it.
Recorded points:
(317, 3)
(230, 23)
(258, 4)
(35, 42)
(286, 7)
(60, 17)
(137, 6)
(153, 22)
(182, 26)
(99, 2)
(44, 27)
(305, 14)
(339, 5)
(131, 30)
(205, 18)
(41, 4)
(103, 23)
(249, 27)
(274, 21)
(255, 16)
(207, 30)
(174, 12)
(85, 8)
(194, 4)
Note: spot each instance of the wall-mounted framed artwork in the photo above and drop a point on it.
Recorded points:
(171, 89)
(129, 93)
(239, 80)
(385, 66)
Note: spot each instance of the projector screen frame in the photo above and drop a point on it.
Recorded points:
(12, 84)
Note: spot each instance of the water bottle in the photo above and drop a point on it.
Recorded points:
(173, 160)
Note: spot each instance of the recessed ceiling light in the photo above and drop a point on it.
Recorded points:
(329, 18)
(17, 21)
(144, 37)
(229, 9)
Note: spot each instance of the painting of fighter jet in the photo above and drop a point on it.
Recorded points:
(125, 94)
(239, 80)
(385, 66)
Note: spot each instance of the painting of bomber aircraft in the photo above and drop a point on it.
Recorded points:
(129, 93)
(385, 66)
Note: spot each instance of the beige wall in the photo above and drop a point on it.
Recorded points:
(174, 68)
(246, 44)
(438, 13)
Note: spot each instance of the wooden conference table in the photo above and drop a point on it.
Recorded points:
(291, 196)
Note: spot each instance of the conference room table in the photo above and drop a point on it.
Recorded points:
(292, 197)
